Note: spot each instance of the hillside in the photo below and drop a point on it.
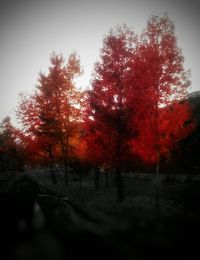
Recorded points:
(194, 100)
(186, 156)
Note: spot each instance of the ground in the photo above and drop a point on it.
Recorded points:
(74, 220)
(178, 194)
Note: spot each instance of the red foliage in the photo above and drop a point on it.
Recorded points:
(174, 125)
(50, 117)
(132, 109)
(134, 105)
(162, 82)
(108, 112)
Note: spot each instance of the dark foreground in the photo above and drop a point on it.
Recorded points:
(40, 223)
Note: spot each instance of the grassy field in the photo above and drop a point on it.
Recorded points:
(178, 194)
(93, 221)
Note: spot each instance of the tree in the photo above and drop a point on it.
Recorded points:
(162, 79)
(108, 111)
(175, 124)
(11, 151)
(51, 115)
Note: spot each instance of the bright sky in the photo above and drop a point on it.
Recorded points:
(31, 30)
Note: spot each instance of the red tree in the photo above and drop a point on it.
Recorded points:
(11, 150)
(52, 114)
(162, 82)
(108, 109)
(134, 83)
(174, 125)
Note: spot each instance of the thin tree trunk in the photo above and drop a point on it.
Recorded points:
(106, 175)
(119, 184)
(65, 160)
(157, 182)
(96, 178)
(157, 195)
(79, 171)
(65, 163)
(118, 170)
(80, 180)
(64, 140)
(66, 173)
(119, 181)
(53, 177)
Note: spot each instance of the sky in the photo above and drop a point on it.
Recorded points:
(31, 30)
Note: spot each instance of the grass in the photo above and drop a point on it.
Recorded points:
(176, 195)
(130, 228)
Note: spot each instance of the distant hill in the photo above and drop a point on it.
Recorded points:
(194, 94)
(194, 101)
(187, 154)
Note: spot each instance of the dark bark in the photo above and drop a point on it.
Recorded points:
(65, 160)
(52, 173)
(157, 182)
(79, 171)
(80, 181)
(53, 177)
(119, 184)
(66, 173)
(96, 178)
(157, 195)
(106, 175)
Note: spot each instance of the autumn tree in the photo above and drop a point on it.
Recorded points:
(175, 124)
(162, 81)
(11, 151)
(136, 78)
(51, 115)
(108, 109)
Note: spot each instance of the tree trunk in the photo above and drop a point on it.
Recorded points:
(79, 171)
(157, 199)
(66, 153)
(96, 178)
(157, 182)
(53, 177)
(119, 184)
(119, 152)
(66, 173)
(106, 175)
(65, 157)
(80, 181)
(52, 173)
